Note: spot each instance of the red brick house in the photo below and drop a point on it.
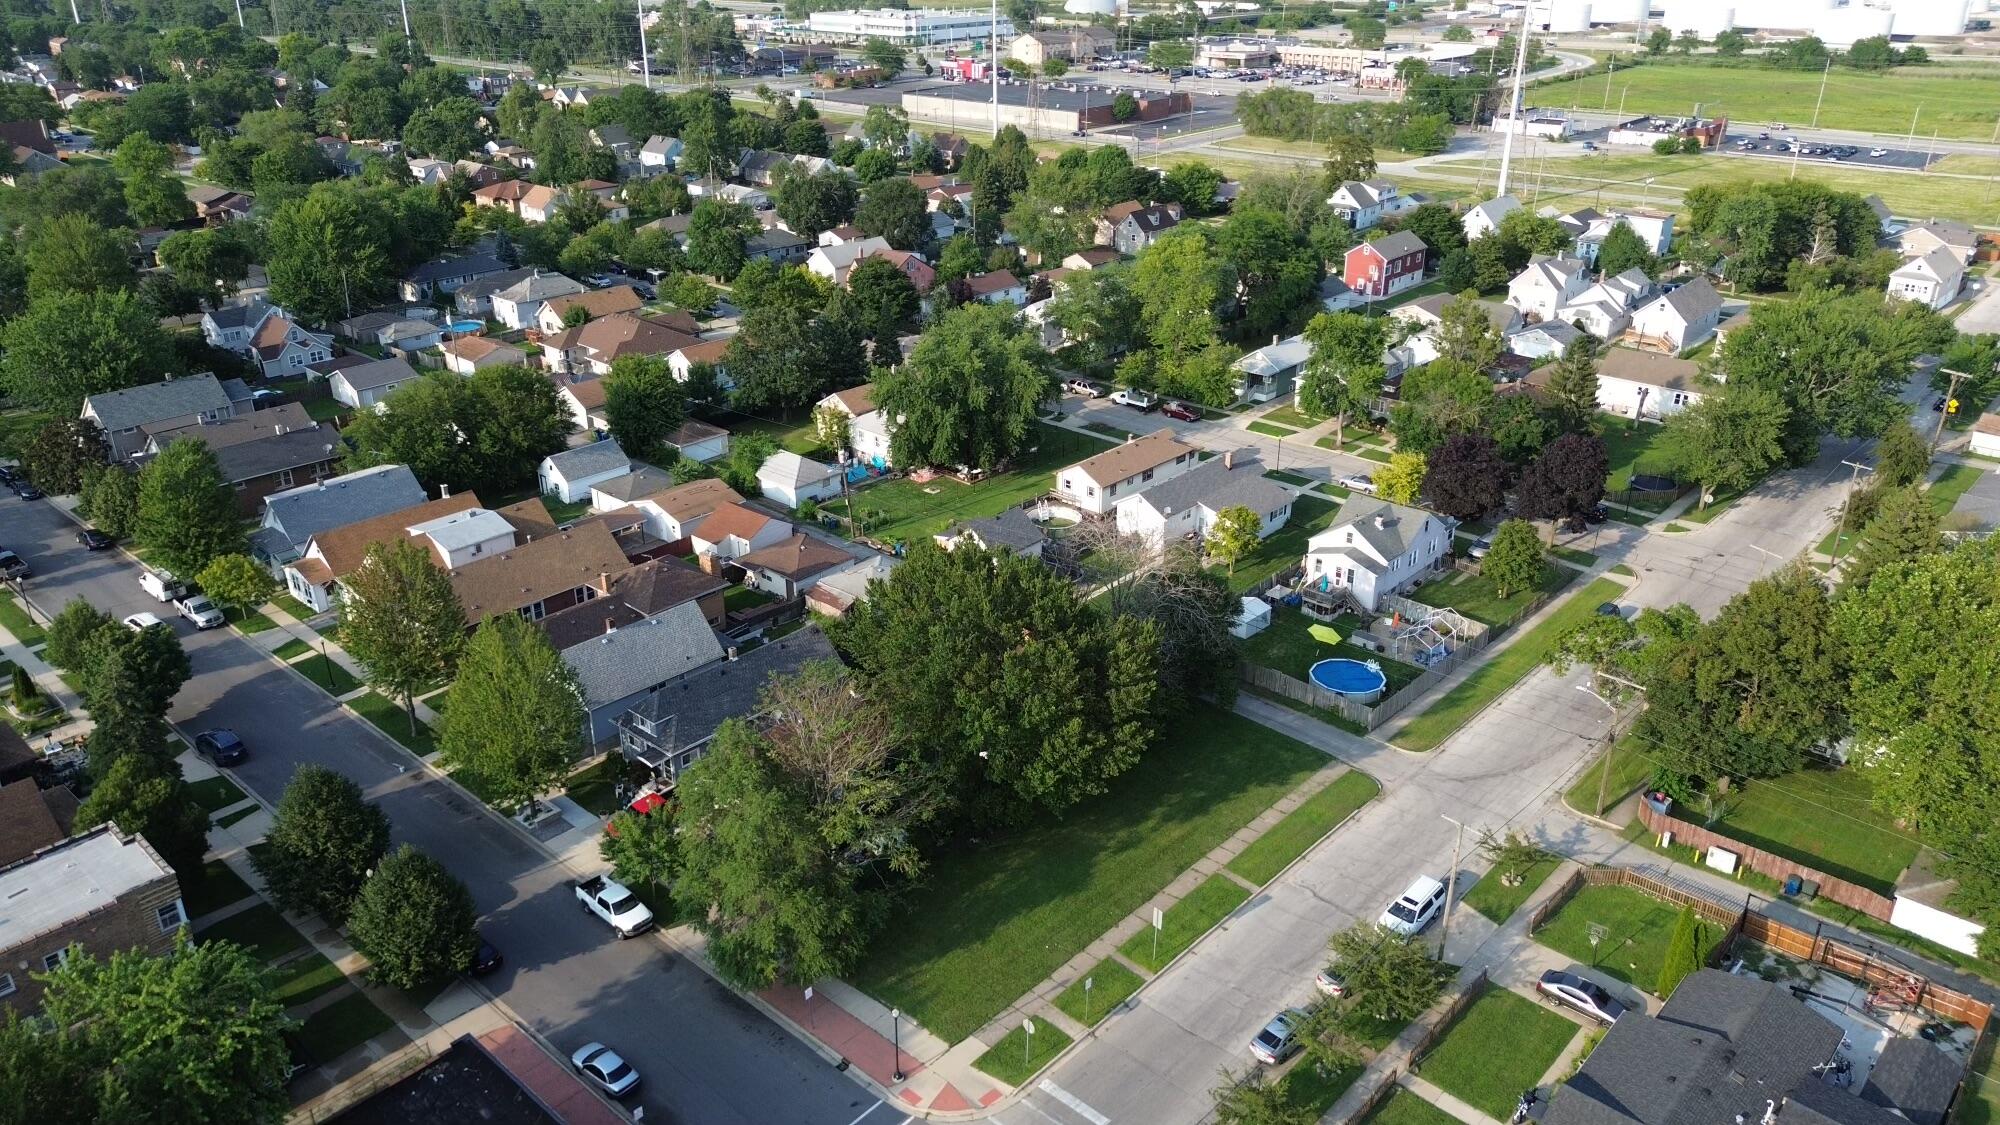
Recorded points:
(1385, 267)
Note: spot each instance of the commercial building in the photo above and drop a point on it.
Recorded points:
(1070, 44)
(1059, 112)
(912, 27)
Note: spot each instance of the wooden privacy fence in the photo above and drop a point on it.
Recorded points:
(1871, 966)
(1368, 715)
(1440, 1022)
(1769, 864)
(1381, 1093)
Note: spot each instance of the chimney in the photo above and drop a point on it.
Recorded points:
(603, 581)
(1228, 459)
(732, 652)
(610, 625)
(1274, 339)
(322, 484)
(444, 492)
(1381, 522)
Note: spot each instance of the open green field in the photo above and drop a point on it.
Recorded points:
(1957, 102)
(1475, 595)
(1501, 672)
(1289, 648)
(801, 437)
(1285, 546)
(909, 511)
(1949, 486)
(1637, 927)
(992, 921)
(1303, 149)
(1501, 1046)
(1304, 826)
(1824, 818)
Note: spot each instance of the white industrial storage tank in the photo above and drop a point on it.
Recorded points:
(1706, 18)
(1932, 17)
(1091, 7)
(1842, 26)
(1563, 16)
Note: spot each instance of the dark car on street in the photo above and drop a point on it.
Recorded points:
(94, 540)
(486, 960)
(221, 747)
(26, 490)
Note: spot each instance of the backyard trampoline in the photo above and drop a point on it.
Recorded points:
(1358, 680)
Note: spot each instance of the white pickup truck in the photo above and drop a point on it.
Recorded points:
(616, 904)
(199, 610)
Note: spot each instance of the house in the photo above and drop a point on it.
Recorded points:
(368, 384)
(231, 326)
(569, 475)
(103, 891)
(1645, 386)
(649, 589)
(789, 479)
(1933, 280)
(1130, 227)
(1376, 548)
(259, 453)
(1985, 439)
(584, 399)
(615, 139)
(1097, 483)
(1000, 287)
(32, 818)
(853, 402)
(1547, 285)
(1012, 532)
(280, 347)
(775, 244)
(534, 576)
(1920, 239)
(294, 515)
(670, 729)
(505, 195)
(1484, 219)
(674, 512)
(1335, 296)
(627, 657)
(475, 298)
(551, 319)
(699, 441)
(757, 199)
(1547, 339)
(682, 360)
(1189, 503)
(466, 354)
(920, 273)
(1729, 1045)
(540, 203)
(834, 261)
(410, 336)
(376, 326)
(785, 569)
(592, 347)
(869, 440)
(216, 206)
(731, 530)
(1886, 224)
(1678, 319)
(1654, 228)
(1365, 203)
(1427, 313)
(1604, 308)
(1385, 267)
(836, 593)
(952, 147)
(658, 155)
(172, 402)
(1272, 370)
(447, 275)
(520, 304)
(1095, 258)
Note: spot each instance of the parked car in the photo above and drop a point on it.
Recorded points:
(199, 611)
(94, 540)
(1597, 514)
(26, 490)
(1279, 1040)
(486, 960)
(139, 622)
(220, 746)
(264, 397)
(606, 1068)
(1590, 146)
(1479, 548)
(1136, 399)
(9, 474)
(1609, 609)
(1083, 387)
(1580, 993)
(1181, 411)
(1330, 982)
(12, 565)
(1415, 908)
(1357, 482)
(1878, 153)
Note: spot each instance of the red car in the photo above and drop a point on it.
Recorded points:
(1181, 411)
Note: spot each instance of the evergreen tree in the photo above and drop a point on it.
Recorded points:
(1905, 527)
(1683, 954)
(1573, 386)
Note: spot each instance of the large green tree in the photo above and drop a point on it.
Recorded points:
(153, 195)
(788, 354)
(1439, 399)
(970, 391)
(72, 254)
(1276, 273)
(716, 237)
(487, 430)
(1572, 388)
(1514, 562)
(68, 346)
(143, 793)
(516, 720)
(894, 208)
(810, 204)
(1345, 372)
(1905, 528)
(63, 452)
(329, 252)
(401, 619)
(413, 921)
(1726, 439)
(187, 512)
(324, 839)
(644, 403)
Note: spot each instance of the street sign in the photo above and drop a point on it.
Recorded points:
(1951, 407)
(1028, 1026)
(809, 992)
(1158, 918)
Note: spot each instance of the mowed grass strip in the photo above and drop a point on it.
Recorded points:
(1184, 922)
(994, 920)
(1501, 1046)
(1111, 984)
(1503, 671)
(1496, 901)
(1304, 826)
(1017, 1056)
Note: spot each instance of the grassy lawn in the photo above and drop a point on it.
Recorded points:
(291, 650)
(595, 788)
(261, 930)
(1017, 1056)
(1629, 770)
(249, 622)
(326, 410)
(739, 598)
(1571, 554)
(1501, 672)
(298, 610)
(1111, 984)
(1306, 1087)
(800, 437)
(1304, 826)
(1723, 501)
(909, 510)
(341, 1026)
(1373, 453)
(237, 817)
(1183, 923)
(1289, 648)
(1980, 1102)
(1637, 927)
(215, 793)
(219, 886)
(328, 674)
(1285, 546)
(1950, 485)
(1101, 429)
(1405, 1108)
(1269, 429)
(1788, 816)
(1629, 445)
(14, 618)
(1293, 479)
(994, 920)
(1497, 901)
(1498, 1048)
(1290, 415)
(393, 721)
(1475, 595)
(303, 978)
(1623, 571)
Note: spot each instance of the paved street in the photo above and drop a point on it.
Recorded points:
(707, 1056)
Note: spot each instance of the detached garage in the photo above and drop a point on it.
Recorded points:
(790, 479)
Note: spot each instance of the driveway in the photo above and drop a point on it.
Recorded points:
(706, 1055)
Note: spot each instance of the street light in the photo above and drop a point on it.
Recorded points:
(896, 1032)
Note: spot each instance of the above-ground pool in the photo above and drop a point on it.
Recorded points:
(1352, 678)
(464, 326)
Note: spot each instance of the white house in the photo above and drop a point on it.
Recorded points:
(1547, 285)
(868, 439)
(1645, 386)
(1000, 287)
(731, 531)
(852, 401)
(1365, 203)
(836, 261)
(281, 347)
(467, 354)
(519, 304)
(1548, 338)
(658, 154)
(1604, 308)
(1189, 503)
(367, 384)
(1986, 435)
(790, 479)
(787, 568)
(1097, 483)
(1932, 280)
(1919, 239)
(1678, 320)
(569, 475)
(1484, 219)
(673, 511)
(1654, 228)
(1272, 370)
(1376, 548)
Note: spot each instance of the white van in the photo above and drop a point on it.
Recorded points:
(162, 585)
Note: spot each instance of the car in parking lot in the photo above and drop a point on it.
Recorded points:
(94, 540)
(1414, 908)
(1136, 398)
(1181, 412)
(1279, 1040)
(140, 622)
(1083, 387)
(1357, 482)
(605, 1067)
(1581, 993)
(220, 746)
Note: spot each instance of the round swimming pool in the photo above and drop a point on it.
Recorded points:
(1353, 678)
(464, 326)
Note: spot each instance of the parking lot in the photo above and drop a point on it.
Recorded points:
(1770, 144)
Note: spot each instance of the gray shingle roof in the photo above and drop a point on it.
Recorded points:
(493, 283)
(1398, 244)
(300, 513)
(380, 373)
(698, 703)
(238, 316)
(1694, 300)
(541, 287)
(236, 389)
(1013, 530)
(643, 654)
(1215, 487)
(465, 265)
(641, 482)
(589, 460)
(1916, 1078)
(295, 449)
(154, 402)
(1398, 533)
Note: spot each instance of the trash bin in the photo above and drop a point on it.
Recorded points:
(1791, 884)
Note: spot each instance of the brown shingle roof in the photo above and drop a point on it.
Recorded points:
(705, 351)
(621, 334)
(530, 517)
(999, 281)
(731, 519)
(801, 556)
(588, 394)
(857, 400)
(695, 498)
(343, 548)
(1987, 424)
(1648, 368)
(597, 302)
(26, 823)
(472, 349)
(505, 190)
(537, 570)
(1133, 457)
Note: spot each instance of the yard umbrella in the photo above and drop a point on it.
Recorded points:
(1325, 634)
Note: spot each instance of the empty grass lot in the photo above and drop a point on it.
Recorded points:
(1184, 922)
(1285, 546)
(1017, 1056)
(1111, 984)
(1289, 648)
(1405, 1108)
(1475, 595)
(1501, 1046)
(1629, 447)
(1826, 819)
(911, 511)
(1304, 826)
(1637, 927)
(1502, 671)
(1496, 901)
(995, 919)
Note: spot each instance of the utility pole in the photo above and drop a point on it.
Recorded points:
(1610, 734)
(1514, 102)
(1840, 533)
(1450, 884)
(239, 13)
(408, 41)
(75, 16)
(645, 60)
(1817, 102)
(993, 31)
(1950, 397)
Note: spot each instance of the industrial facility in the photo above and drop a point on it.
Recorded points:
(1837, 22)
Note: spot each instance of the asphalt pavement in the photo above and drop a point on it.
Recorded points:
(706, 1055)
